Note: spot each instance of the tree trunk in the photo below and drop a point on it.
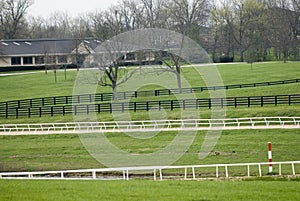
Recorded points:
(178, 75)
(115, 92)
(285, 56)
(242, 56)
(55, 76)
(65, 72)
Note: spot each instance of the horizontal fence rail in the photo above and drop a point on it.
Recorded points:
(92, 98)
(209, 103)
(157, 172)
(151, 125)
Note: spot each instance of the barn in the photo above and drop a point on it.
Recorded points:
(36, 53)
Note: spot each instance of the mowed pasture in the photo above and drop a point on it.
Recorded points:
(266, 189)
(41, 85)
(64, 152)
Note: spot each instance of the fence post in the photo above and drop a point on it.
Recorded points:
(17, 113)
(40, 112)
(270, 157)
(98, 108)
(147, 106)
(262, 101)
(28, 112)
(54, 100)
(67, 100)
(6, 110)
(43, 102)
(249, 102)
(172, 105)
(134, 105)
(75, 109)
(64, 111)
(159, 105)
(51, 111)
(19, 104)
(209, 103)
(110, 108)
(87, 109)
(235, 102)
(290, 101)
(135, 94)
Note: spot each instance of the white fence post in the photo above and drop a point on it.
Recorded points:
(259, 170)
(194, 175)
(226, 171)
(293, 169)
(160, 174)
(279, 169)
(124, 175)
(248, 170)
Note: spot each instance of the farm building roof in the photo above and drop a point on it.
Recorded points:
(19, 47)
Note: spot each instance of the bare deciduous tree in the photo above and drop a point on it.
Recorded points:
(110, 59)
(12, 17)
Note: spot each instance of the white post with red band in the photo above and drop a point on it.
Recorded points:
(270, 157)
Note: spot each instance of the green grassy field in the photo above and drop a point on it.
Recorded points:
(41, 85)
(58, 152)
(148, 190)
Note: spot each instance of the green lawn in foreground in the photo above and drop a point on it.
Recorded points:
(64, 152)
(41, 85)
(149, 190)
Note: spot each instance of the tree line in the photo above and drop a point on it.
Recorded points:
(229, 30)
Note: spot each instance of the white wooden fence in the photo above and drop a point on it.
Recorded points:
(220, 171)
(151, 125)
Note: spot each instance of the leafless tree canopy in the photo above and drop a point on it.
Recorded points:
(239, 30)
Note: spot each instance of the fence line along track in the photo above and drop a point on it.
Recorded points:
(189, 172)
(151, 125)
(101, 97)
(209, 103)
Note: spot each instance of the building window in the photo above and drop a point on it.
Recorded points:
(50, 59)
(130, 56)
(39, 60)
(142, 56)
(27, 60)
(62, 59)
(16, 61)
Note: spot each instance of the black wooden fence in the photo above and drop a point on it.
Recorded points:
(209, 103)
(96, 98)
